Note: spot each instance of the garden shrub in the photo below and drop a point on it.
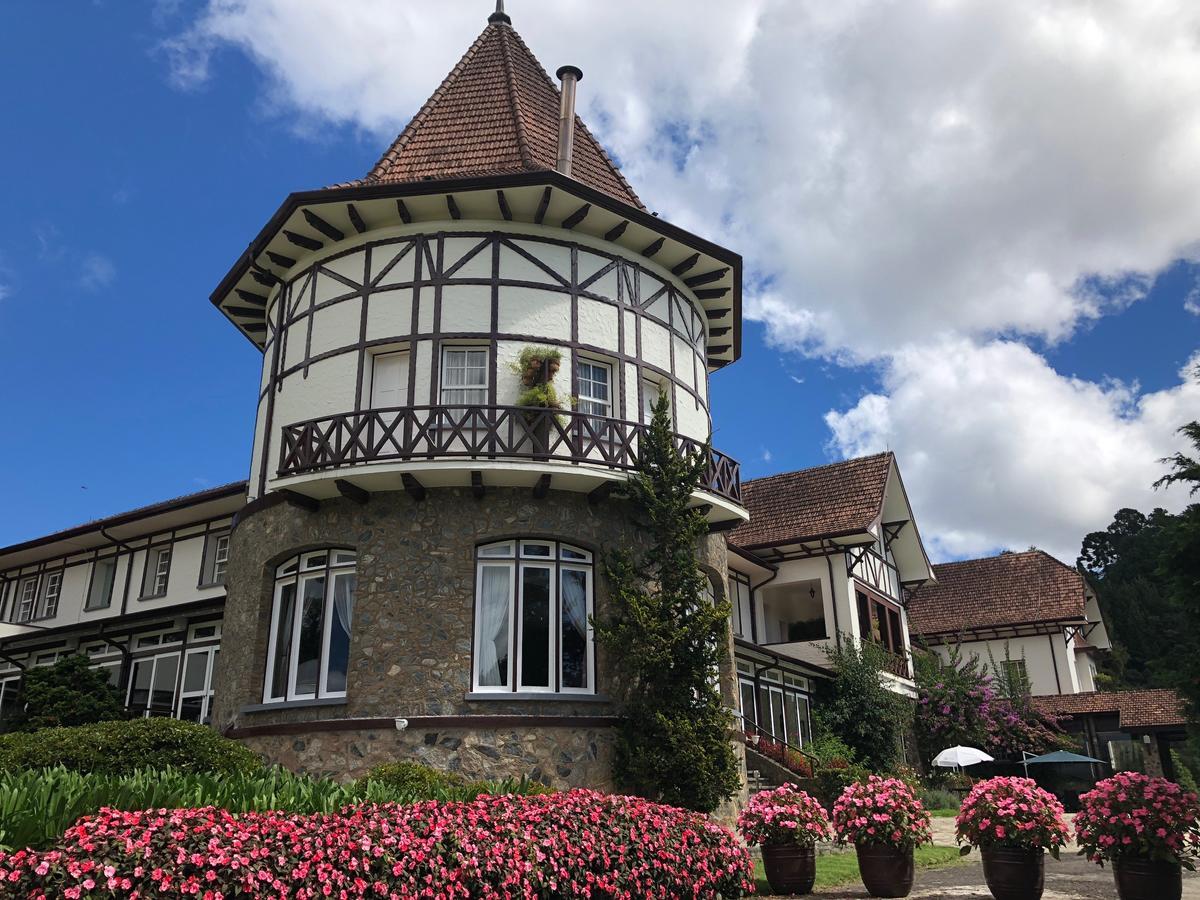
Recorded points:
(566, 845)
(120, 747)
(828, 784)
(70, 692)
(407, 777)
(856, 706)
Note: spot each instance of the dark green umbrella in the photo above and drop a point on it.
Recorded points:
(1062, 756)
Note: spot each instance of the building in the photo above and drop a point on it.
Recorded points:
(410, 568)
(826, 557)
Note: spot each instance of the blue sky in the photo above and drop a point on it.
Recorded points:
(127, 199)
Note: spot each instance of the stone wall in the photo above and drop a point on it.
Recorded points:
(411, 647)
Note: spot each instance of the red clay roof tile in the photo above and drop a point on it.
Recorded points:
(1155, 708)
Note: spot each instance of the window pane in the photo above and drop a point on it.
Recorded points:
(595, 397)
(194, 672)
(747, 697)
(308, 644)
(339, 631)
(495, 593)
(190, 709)
(103, 577)
(535, 627)
(139, 690)
(283, 641)
(791, 718)
(574, 629)
(162, 697)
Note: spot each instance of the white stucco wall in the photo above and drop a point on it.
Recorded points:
(1041, 665)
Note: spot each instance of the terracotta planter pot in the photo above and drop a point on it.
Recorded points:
(1147, 879)
(791, 869)
(1014, 873)
(886, 871)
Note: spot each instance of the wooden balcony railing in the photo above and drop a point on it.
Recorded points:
(481, 432)
(897, 665)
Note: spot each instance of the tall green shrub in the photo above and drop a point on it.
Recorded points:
(69, 692)
(666, 638)
(856, 707)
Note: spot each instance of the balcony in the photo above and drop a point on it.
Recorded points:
(423, 433)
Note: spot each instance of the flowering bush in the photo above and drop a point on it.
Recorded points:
(572, 844)
(1132, 814)
(881, 811)
(786, 815)
(782, 754)
(1012, 812)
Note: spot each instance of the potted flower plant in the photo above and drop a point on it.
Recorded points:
(786, 823)
(1013, 822)
(536, 367)
(885, 821)
(1147, 827)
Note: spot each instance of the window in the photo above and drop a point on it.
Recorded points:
(152, 685)
(1014, 677)
(10, 694)
(27, 600)
(158, 571)
(740, 598)
(216, 558)
(651, 390)
(595, 387)
(196, 689)
(104, 576)
(464, 376)
(51, 591)
(533, 601)
(389, 381)
(308, 652)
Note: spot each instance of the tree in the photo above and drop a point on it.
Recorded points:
(666, 639)
(69, 692)
(856, 707)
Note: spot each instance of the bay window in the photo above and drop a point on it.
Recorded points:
(308, 650)
(533, 602)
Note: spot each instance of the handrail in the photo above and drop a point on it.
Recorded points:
(762, 732)
(482, 432)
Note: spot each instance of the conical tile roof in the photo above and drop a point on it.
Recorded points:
(495, 113)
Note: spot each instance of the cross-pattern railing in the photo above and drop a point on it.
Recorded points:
(481, 432)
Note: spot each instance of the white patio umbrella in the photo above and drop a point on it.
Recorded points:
(957, 757)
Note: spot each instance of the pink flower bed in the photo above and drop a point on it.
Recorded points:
(1012, 812)
(573, 844)
(1132, 814)
(881, 811)
(786, 815)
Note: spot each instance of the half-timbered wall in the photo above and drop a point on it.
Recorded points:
(499, 291)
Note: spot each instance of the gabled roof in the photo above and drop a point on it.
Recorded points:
(834, 500)
(495, 113)
(1009, 589)
(1154, 708)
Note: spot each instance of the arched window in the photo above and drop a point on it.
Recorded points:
(533, 603)
(308, 651)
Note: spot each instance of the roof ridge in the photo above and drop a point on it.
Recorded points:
(828, 465)
(415, 123)
(1008, 554)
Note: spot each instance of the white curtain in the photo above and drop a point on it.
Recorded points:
(494, 594)
(343, 600)
(574, 599)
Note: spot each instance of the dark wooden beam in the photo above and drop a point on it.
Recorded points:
(284, 262)
(477, 485)
(502, 201)
(717, 332)
(355, 219)
(415, 489)
(254, 311)
(302, 501)
(256, 327)
(716, 313)
(617, 230)
(543, 205)
(542, 487)
(576, 217)
(405, 215)
(352, 491)
(653, 247)
(718, 348)
(263, 277)
(301, 240)
(452, 206)
(601, 493)
(686, 264)
(707, 277)
(711, 293)
(331, 232)
(251, 297)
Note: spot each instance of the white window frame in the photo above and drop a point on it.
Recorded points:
(446, 392)
(206, 693)
(651, 387)
(328, 563)
(50, 594)
(402, 359)
(518, 557)
(88, 605)
(589, 404)
(157, 569)
(26, 601)
(220, 557)
(154, 660)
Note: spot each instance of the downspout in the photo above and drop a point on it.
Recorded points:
(837, 628)
(1054, 661)
(754, 606)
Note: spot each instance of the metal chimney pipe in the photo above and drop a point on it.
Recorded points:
(569, 76)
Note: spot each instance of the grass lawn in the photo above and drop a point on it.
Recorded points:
(944, 813)
(842, 868)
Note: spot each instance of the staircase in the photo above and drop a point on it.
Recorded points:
(763, 773)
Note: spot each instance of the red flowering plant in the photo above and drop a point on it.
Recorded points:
(1011, 812)
(881, 811)
(1134, 815)
(786, 815)
(790, 759)
(570, 845)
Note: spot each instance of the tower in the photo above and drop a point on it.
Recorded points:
(414, 572)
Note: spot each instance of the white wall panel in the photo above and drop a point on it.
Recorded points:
(336, 326)
(466, 307)
(389, 314)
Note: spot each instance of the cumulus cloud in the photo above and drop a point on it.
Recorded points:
(96, 271)
(904, 180)
(1003, 451)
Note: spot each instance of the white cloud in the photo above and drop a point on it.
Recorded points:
(1191, 303)
(999, 450)
(907, 179)
(96, 271)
